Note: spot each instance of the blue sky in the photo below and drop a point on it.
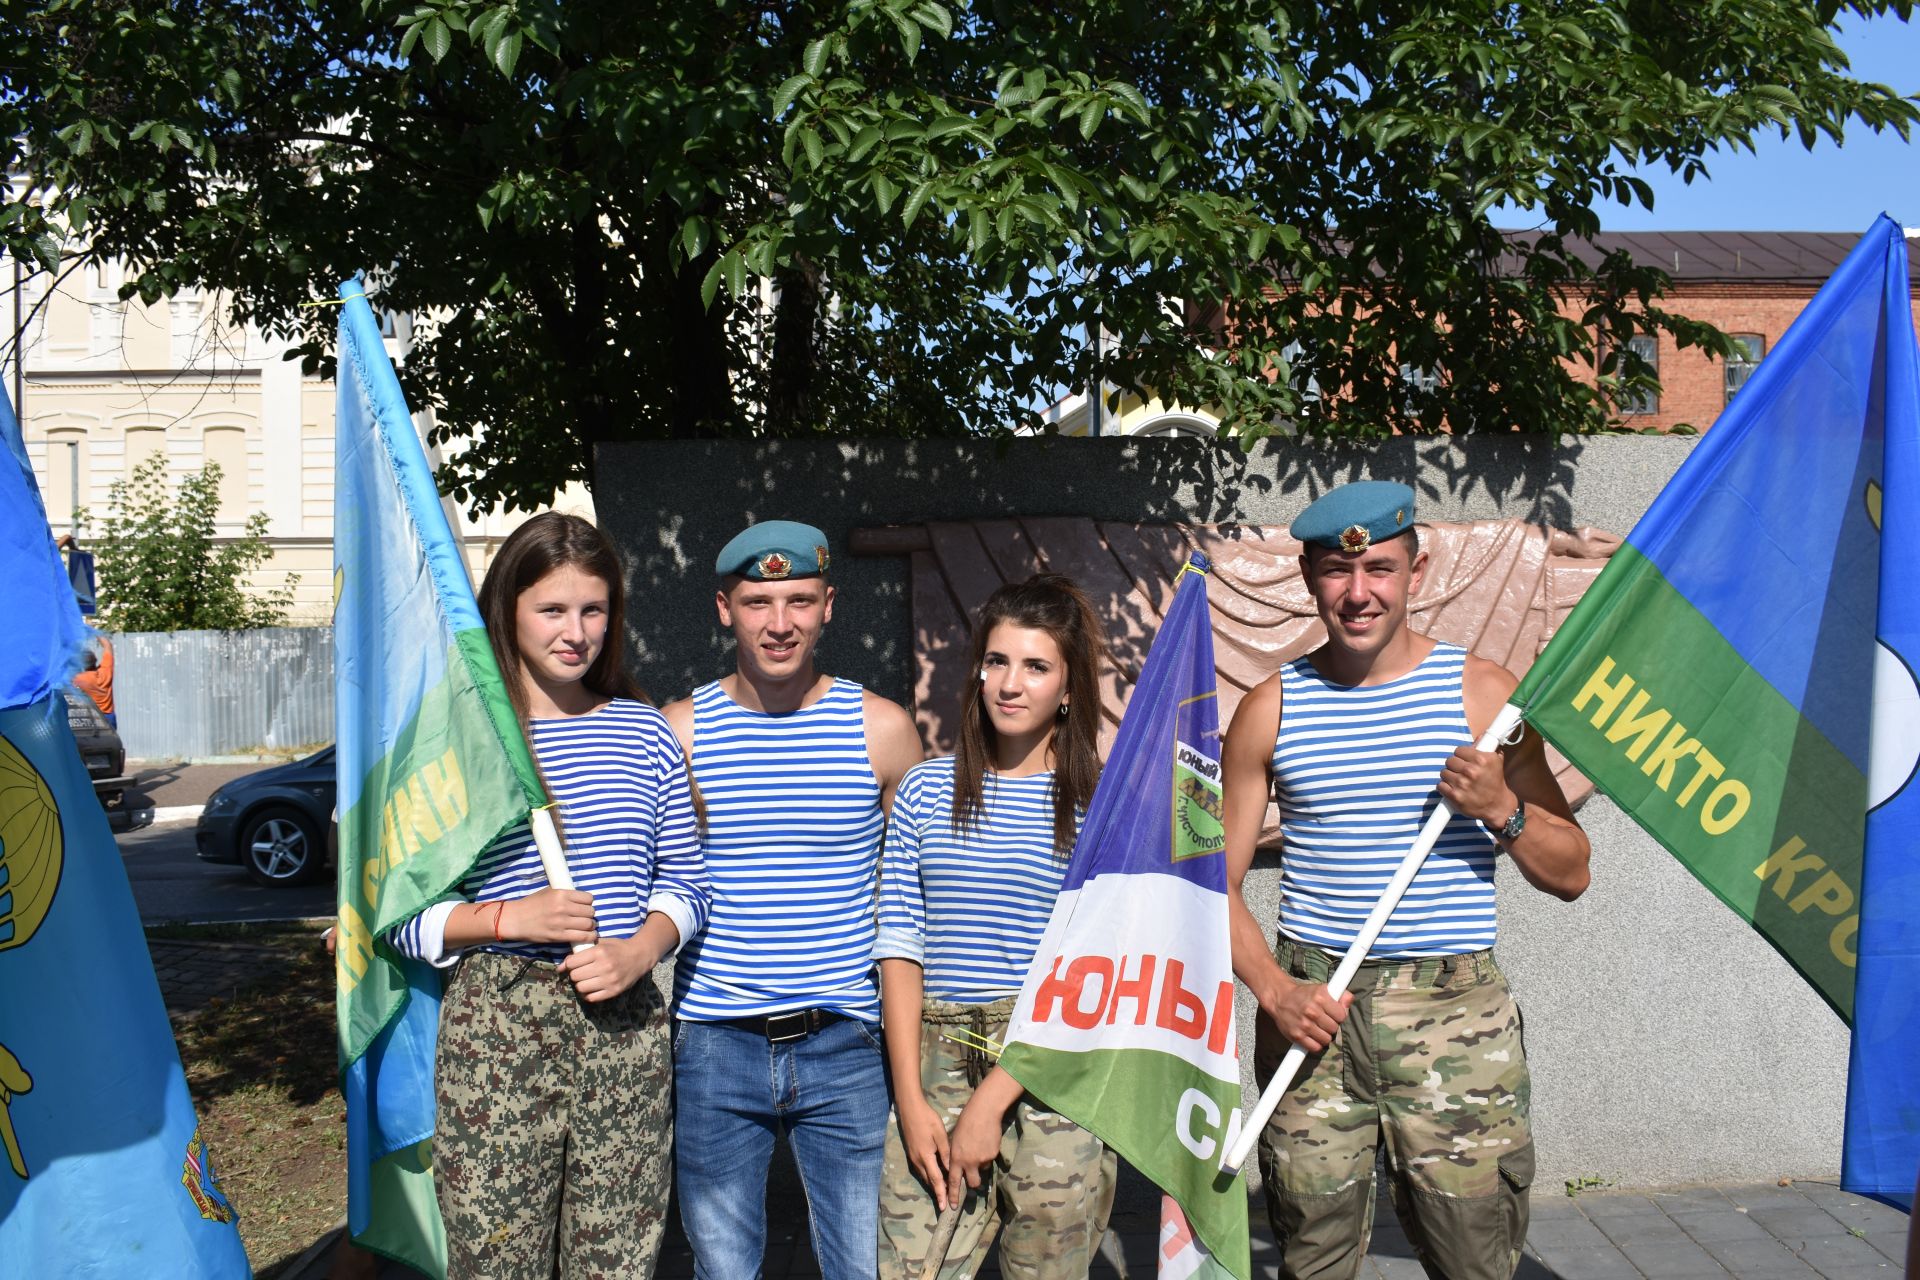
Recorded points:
(1784, 187)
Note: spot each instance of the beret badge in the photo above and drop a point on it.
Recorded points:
(1355, 538)
(773, 566)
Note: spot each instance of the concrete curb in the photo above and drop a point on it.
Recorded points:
(171, 813)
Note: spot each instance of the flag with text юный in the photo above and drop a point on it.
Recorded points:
(1126, 1023)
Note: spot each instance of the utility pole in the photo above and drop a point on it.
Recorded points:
(19, 349)
(1096, 402)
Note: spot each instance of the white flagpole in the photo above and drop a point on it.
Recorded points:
(1362, 943)
(553, 860)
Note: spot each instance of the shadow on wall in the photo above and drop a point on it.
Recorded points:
(671, 505)
(1499, 588)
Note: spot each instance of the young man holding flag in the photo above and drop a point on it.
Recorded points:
(1359, 738)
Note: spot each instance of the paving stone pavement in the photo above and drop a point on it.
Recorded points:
(192, 972)
(1806, 1231)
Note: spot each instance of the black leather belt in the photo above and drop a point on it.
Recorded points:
(783, 1028)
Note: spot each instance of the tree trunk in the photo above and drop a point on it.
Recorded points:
(700, 399)
(791, 381)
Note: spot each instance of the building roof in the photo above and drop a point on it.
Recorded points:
(1745, 257)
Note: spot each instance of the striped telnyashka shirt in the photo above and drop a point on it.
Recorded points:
(793, 848)
(1355, 770)
(969, 906)
(626, 819)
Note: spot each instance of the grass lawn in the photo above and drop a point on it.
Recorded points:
(260, 1063)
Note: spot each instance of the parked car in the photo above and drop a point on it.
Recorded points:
(275, 823)
(100, 748)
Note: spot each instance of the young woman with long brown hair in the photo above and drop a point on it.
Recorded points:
(553, 1141)
(976, 850)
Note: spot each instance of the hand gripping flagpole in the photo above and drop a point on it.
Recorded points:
(553, 860)
(1503, 724)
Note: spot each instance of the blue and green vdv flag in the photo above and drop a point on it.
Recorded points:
(104, 1171)
(432, 767)
(1740, 679)
(1126, 1023)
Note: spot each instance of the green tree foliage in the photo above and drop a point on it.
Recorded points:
(161, 568)
(778, 217)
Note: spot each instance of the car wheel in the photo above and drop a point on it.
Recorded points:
(281, 846)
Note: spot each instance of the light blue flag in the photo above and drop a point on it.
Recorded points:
(432, 768)
(102, 1169)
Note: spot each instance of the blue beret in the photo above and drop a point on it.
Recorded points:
(1355, 516)
(774, 550)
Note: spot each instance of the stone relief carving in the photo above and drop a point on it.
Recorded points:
(1499, 587)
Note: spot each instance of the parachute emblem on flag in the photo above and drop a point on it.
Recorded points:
(14, 1080)
(31, 848)
(1198, 811)
(31, 854)
(196, 1175)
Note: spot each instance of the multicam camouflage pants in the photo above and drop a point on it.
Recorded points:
(554, 1137)
(1431, 1057)
(1048, 1195)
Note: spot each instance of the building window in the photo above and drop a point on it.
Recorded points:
(1647, 347)
(1749, 350)
(143, 443)
(1178, 424)
(227, 446)
(1418, 380)
(184, 314)
(66, 477)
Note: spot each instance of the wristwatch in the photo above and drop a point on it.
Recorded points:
(1516, 823)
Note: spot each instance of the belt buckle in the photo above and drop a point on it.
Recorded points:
(798, 1021)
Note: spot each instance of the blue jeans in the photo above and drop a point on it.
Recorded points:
(733, 1091)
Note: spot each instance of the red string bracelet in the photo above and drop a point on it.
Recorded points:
(498, 907)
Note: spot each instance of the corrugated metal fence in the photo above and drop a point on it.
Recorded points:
(188, 694)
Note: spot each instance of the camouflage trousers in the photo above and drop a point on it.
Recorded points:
(554, 1142)
(1431, 1058)
(1048, 1196)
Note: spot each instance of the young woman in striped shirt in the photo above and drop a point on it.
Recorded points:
(976, 849)
(553, 1145)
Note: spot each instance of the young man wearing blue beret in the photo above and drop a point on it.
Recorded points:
(1358, 740)
(778, 1029)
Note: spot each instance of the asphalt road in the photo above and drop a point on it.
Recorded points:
(171, 884)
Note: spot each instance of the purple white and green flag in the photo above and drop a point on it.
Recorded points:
(1125, 1025)
(1740, 679)
(432, 767)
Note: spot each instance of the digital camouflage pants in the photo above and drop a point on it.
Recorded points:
(1048, 1195)
(554, 1140)
(1431, 1059)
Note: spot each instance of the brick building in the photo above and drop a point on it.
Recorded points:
(1749, 284)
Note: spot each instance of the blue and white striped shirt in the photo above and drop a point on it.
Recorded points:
(793, 847)
(626, 819)
(1355, 769)
(969, 906)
